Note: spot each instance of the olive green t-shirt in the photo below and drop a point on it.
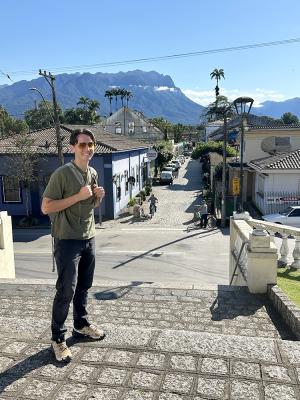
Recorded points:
(76, 221)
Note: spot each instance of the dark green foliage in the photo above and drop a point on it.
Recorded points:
(10, 126)
(209, 147)
(289, 119)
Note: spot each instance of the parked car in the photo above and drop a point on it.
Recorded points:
(169, 168)
(166, 177)
(176, 162)
(290, 216)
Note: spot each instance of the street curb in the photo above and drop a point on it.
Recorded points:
(288, 310)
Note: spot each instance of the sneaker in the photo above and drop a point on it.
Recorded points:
(61, 351)
(89, 332)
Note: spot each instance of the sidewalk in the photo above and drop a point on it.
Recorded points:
(164, 342)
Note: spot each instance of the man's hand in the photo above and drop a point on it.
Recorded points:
(85, 193)
(99, 192)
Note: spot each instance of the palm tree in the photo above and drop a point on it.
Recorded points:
(115, 93)
(128, 96)
(217, 74)
(123, 93)
(84, 101)
(109, 94)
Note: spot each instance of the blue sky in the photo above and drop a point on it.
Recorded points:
(48, 35)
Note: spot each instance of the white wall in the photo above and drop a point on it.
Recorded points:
(252, 149)
(119, 167)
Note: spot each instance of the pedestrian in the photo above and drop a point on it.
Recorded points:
(204, 214)
(153, 200)
(69, 199)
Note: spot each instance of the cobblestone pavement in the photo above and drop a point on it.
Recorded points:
(161, 344)
(175, 202)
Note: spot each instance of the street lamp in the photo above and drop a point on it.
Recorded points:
(46, 105)
(243, 106)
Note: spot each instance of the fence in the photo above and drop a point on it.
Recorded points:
(274, 202)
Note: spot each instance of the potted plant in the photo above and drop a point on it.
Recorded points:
(130, 205)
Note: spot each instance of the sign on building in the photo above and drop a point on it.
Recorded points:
(235, 186)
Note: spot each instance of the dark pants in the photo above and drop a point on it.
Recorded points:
(203, 220)
(75, 260)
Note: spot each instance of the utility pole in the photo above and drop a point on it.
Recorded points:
(50, 79)
(223, 204)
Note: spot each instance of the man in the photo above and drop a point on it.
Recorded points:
(69, 198)
(204, 214)
(153, 200)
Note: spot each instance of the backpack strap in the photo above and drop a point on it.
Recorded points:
(76, 173)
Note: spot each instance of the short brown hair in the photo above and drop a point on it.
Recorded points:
(76, 132)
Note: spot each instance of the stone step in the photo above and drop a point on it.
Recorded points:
(227, 311)
(152, 351)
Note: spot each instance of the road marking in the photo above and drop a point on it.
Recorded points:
(152, 229)
(112, 251)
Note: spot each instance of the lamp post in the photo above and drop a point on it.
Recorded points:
(243, 106)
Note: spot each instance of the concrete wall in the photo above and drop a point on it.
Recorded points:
(7, 263)
(252, 149)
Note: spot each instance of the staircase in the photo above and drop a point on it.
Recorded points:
(163, 343)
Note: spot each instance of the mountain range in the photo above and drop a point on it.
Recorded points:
(154, 94)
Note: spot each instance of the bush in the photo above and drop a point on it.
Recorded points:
(143, 195)
(148, 190)
(204, 148)
(132, 202)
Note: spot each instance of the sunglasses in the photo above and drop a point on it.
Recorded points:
(90, 145)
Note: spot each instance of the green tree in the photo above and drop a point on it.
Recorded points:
(87, 115)
(84, 101)
(10, 126)
(289, 119)
(162, 124)
(217, 74)
(42, 116)
(23, 163)
(164, 153)
(178, 129)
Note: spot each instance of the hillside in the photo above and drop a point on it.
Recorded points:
(154, 94)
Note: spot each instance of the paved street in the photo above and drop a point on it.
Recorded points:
(157, 250)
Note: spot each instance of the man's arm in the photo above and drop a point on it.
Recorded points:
(51, 206)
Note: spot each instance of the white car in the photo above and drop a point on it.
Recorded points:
(290, 216)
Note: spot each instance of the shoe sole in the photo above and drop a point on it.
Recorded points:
(79, 335)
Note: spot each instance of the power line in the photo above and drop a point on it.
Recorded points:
(166, 57)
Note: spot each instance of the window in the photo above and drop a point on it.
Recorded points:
(118, 187)
(137, 174)
(295, 213)
(126, 181)
(11, 189)
(118, 128)
(130, 127)
(282, 141)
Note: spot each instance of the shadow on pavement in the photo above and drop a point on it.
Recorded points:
(118, 291)
(203, 234)
(234, 301)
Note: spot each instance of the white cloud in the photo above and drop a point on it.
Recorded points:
(164, 88)
(204, 97)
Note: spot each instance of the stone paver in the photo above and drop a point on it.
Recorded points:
(160, 349)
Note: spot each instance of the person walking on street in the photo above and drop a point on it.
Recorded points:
(204, 214)
(69, 199)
